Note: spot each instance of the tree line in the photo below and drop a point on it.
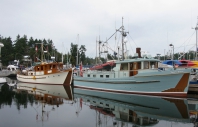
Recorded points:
(22, 46)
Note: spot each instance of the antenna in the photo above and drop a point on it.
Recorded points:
(77, 50)
(196, 28)
(96, 51)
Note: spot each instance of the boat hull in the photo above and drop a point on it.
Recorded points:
(61, 78)
(169, 85)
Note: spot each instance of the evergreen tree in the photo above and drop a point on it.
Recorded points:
(6, 51)
(22, 46)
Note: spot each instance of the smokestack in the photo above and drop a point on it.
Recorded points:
(138, 51)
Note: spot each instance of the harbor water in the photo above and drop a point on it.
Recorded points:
(30, 105)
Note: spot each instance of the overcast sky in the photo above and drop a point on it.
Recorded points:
(152, 24)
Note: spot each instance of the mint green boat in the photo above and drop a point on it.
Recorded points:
(139, 75)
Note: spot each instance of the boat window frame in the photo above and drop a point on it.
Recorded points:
(146, 65)
(139, 65)
(124, 67)
(155, 63)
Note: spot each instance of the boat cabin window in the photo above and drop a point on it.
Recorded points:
(101, 76)
(146, 65)
(139, 65)
(153, 65)
(88, 75)
(124, 66)
(54, 66)
(107, 76)
(94, 75)
(41, 68)
(37, 68)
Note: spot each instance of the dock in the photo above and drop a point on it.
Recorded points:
(193, 91)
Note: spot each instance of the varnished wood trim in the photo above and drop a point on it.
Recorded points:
(67, 84)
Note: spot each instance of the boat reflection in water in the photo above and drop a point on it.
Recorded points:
(11, 81)
(136, 110)
(122, 109)
(40, 90)
(46, 95)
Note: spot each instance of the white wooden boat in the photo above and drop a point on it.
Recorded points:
(47, 73)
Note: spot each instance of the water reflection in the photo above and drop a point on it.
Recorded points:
(136, 110)
(105, 109)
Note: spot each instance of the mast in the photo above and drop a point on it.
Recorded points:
(62, 57)
(62, 53)
(67, 58)
(96, 51)
(124, 34)
(196, 28)
(122, 40)
(41, 52)
(77, 52)
(99, 48)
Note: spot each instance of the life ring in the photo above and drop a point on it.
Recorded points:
(34, 77)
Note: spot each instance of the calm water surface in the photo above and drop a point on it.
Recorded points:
(29, 105)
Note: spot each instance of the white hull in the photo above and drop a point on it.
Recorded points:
(54, 78)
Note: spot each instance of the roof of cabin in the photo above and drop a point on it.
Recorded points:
(137, 60)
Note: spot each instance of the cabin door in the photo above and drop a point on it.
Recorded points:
(131, 69)
(135, 68)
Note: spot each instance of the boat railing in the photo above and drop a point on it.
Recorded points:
(96, 71)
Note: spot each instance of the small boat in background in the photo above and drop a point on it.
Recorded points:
(11, 70)
(187, 63)
(172, 63)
